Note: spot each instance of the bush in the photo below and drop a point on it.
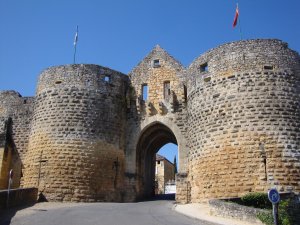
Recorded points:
(284, 218)
(257, 200)
(260, 200)
(266, 218)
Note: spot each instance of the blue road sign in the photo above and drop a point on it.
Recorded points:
(273, 196)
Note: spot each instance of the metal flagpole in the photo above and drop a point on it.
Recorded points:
(239, 21)
(75, 44)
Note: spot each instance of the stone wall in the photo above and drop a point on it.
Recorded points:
(9, 157)
(157, 120)
(244, 115)
(19, 109)
(183, 188)
(236, 211)
(76, 146)
(18, 197)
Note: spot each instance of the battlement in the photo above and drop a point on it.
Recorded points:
(87, 76)
(259, 55)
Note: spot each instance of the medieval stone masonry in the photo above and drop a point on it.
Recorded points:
(91, 133)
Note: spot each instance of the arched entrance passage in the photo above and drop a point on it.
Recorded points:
(152, 138)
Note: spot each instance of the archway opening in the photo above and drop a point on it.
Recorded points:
(151, 140)
(166, 167)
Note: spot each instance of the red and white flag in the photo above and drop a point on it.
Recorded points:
(236, 16)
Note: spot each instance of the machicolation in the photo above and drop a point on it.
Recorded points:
(89, 133)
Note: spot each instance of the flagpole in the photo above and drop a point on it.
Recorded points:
(239, 22)
(75, 45)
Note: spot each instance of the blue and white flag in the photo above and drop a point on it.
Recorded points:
(76, 37)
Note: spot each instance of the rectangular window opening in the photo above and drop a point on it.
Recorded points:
(185, 93)
(156, 63)
(204, 67)
(207, 79)
(167, 90)
(145, 92)
(106, 78)
(268, 67)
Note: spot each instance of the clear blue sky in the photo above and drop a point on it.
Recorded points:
(37, 34)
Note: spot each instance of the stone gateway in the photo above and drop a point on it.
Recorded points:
(91, 133)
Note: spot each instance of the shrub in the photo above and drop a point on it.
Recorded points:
(284, 218)
(266, 218)
(260, 200)
(257, 200)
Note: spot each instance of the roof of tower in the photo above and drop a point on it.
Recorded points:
(161, 158)
(158, 52)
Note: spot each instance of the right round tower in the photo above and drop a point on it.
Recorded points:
(244, 119)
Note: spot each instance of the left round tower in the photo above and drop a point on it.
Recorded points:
(76, 144)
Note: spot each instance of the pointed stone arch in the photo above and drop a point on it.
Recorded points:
(155, 133)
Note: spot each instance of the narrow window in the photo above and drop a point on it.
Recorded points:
(204, 67)
(268, 67)
(156, 63)
(106, 78)
(167, 90)
(207, 79)
(145, 91)
(88, 83)
(264, 156)
(185, 93)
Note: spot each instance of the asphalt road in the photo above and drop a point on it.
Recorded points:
(156, 212)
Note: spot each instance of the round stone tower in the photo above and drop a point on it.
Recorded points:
(244, 119)
(76, 145)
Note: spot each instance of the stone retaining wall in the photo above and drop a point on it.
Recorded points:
(18, 197)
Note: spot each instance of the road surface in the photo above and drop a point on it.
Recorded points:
(156, 212)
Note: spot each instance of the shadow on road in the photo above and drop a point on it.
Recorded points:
(6, 215)
(162, 197)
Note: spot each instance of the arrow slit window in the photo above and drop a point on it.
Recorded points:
(167, 90)
(145, 92)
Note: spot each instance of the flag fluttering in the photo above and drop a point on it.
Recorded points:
(236, 16)
(75, 45)
(76, 37)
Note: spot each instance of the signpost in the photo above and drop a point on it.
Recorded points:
(274, 198)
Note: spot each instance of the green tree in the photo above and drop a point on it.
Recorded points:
(175, 164)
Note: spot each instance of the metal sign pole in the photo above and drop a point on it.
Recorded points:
(274, 198)
(275, 213)
(9, 185)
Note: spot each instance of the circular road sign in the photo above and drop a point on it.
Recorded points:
(273, 196)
